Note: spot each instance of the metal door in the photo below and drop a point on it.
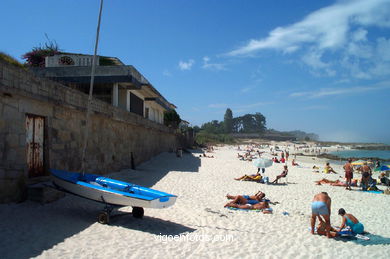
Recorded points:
(35, 144)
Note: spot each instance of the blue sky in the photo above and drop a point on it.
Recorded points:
(318, 66)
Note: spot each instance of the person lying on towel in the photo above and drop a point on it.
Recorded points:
(252, 177)
(321, 229)
(255, 202)
(336, 182)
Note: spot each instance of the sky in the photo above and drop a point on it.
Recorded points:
(318, 66)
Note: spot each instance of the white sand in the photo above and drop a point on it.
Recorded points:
(68, 229)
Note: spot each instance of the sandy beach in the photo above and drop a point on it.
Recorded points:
(198, 225)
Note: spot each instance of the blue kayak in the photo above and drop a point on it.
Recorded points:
(111, 191)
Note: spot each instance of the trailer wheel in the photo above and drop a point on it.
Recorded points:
(104, 217)
(138, 212)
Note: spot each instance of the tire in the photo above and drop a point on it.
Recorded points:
(104, 217)
(138, 212)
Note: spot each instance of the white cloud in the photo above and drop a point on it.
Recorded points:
(326, 28)
(383, 48)
(359, 35)
(313, 59)
(325, 92)
(338, 32)
(212, 66)
(314, 107)
(167, 73)
(186, 65)
(238, 108)
(246, 89)
(253, 105)
(217, 105)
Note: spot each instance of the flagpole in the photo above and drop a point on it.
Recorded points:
(87, 117)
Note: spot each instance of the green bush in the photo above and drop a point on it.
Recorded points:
(203, 138)
(7, 58)
(172, 119)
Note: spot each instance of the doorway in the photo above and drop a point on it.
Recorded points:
(35, 129)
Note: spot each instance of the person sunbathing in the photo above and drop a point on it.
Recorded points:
(204, 155)
(252, 177)
(248, 206)
(255, 202)
(283, 174)
(257, 195)
(336, 182)
(321, 228)
(384, 180)
(331, 182)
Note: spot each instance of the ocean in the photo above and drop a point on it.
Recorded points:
(383, 154)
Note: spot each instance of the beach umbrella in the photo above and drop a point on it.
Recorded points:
(382, 168)
(360, 162)
(262, 162)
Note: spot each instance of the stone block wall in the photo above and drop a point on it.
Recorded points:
(114, 135)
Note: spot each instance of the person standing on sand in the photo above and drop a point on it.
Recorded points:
(320, 206)
(348, 173)
(366, 174)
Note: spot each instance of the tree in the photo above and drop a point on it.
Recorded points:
(196, 129)
(171, 119)
(228, 121)
(249, 123)
(214, 127)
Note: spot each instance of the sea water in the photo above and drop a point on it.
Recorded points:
(359, 153)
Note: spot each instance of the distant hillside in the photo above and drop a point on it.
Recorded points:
(297, 134)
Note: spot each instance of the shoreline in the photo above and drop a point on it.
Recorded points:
(339, 158)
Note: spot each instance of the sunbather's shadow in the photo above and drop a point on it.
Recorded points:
(374, 240)
(281, 184)
(288, 183)
(149, 224)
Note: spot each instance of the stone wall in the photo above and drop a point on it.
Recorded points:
(115, 136)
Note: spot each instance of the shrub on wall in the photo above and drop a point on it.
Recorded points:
(7, 58)
(36, 57)
(171, 119)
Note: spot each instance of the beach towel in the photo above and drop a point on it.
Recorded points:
(346, 234)
(378, 191)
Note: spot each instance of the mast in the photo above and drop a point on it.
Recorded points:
(88, 114)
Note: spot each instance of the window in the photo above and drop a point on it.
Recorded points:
(147, 113)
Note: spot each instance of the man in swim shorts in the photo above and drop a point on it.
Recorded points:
(320, 206)
(366, 174)
(348, 173)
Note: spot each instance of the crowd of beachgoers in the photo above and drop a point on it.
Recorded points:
(228, 206)
(264, 155)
